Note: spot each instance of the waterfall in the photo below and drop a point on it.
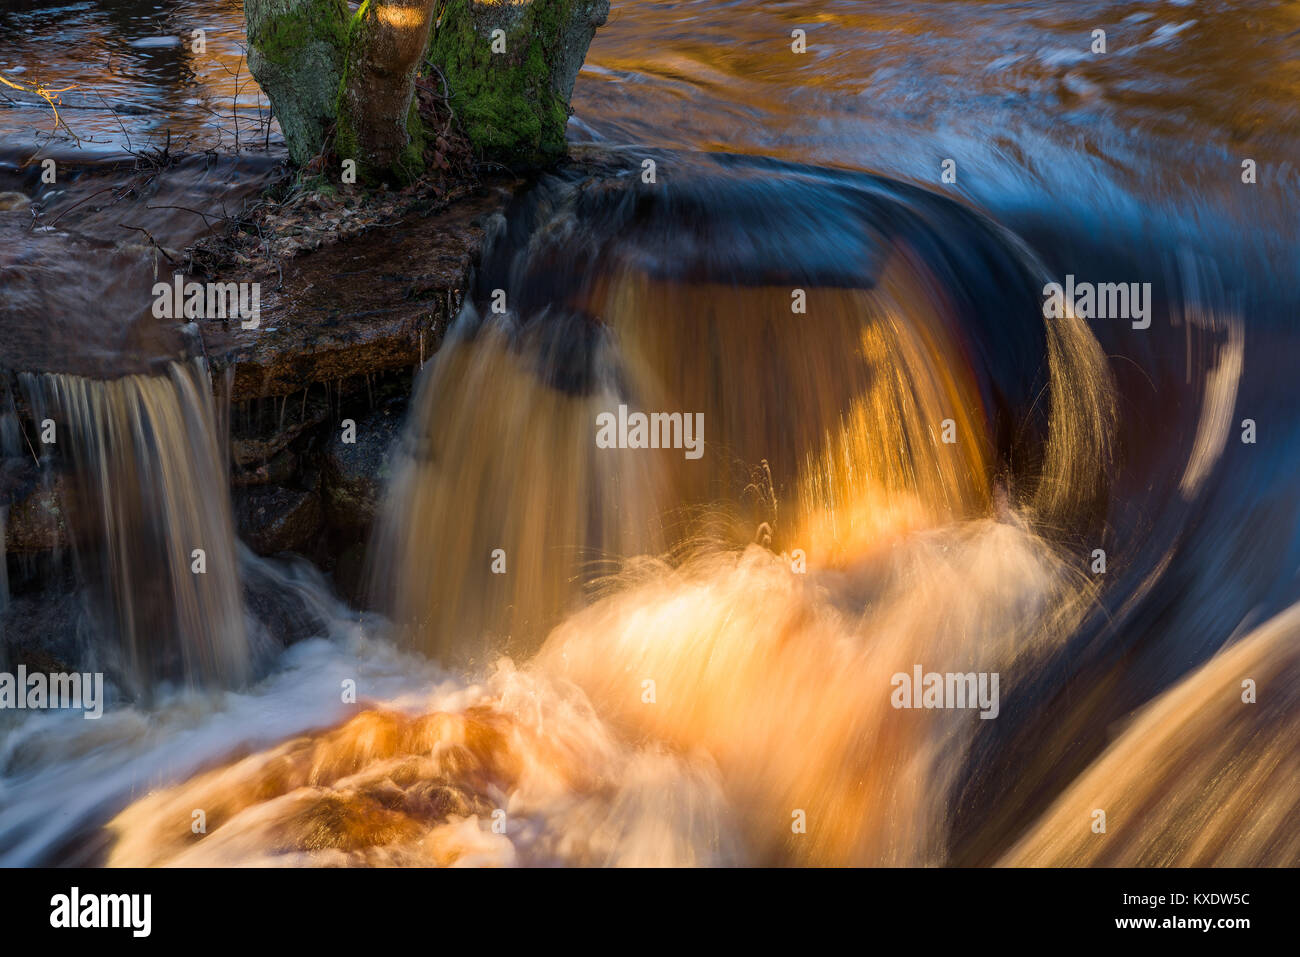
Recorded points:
(152, 530)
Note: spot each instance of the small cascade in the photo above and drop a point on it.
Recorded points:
(844, 395)
(152, 529)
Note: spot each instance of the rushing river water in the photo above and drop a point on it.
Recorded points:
(684, 655)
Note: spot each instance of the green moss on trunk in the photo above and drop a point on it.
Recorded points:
(281, 39)
(514, 105)
(295, 52)
(378, 117)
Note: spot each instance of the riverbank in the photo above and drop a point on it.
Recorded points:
(80, 272)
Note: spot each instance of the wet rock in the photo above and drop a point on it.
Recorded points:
(375, 302)
(36, 519)
(353, 474)
(77, 287)
(260, 435)
(350, 575)
(273, 519)
(282, 614)
(278, 470)
(43, 629)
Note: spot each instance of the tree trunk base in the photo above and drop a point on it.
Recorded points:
(511, 68)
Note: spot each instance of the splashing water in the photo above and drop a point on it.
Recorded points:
(837, 411)
(622, 656)
(768, 685)
(728, 701)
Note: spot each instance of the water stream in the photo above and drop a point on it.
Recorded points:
(594, 655)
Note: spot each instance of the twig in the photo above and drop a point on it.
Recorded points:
(49, 97)
(120, 124)
(86, 200)
(196, 212)
(155, 242)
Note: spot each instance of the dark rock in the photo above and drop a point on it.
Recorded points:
(353, 475)
(256, 438)
(350, 575)
(45, 630)
(375, 302)
(36, 520)
(278, 471)
(273, 519)
(282, 614)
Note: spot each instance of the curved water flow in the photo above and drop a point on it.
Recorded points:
(594, 652)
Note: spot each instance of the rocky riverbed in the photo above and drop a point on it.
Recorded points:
(355, 297)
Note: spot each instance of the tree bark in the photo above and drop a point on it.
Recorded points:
(377, 123)
(295, 52)
(510, 90)
(510, 66)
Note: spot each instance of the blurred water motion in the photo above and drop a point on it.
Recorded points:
(684, 659)
(824, 428)
(158, 537)
(1012, 90)
(138, 77)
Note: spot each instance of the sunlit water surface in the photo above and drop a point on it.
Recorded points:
(771, 689)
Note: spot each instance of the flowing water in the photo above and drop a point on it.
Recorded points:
(147, 466)
(132, 77)
(597, 655)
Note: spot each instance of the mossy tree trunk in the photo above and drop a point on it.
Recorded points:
(296, 50)
(321, 67)
(511, 69)
(378, 124)
(510, 66)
